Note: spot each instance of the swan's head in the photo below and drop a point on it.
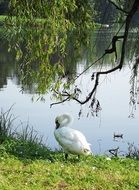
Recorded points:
(62, 120)
(57, 123)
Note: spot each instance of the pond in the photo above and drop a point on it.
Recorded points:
(117, 115)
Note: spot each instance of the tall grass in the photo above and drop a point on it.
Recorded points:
(133, 151)
(6, 125)
(28, 134)
(22, 131)
(21, 140)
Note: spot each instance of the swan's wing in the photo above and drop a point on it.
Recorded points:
(82, 140)
(64, 136)
(80, 137)
(71, 140)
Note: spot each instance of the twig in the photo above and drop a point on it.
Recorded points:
(89, 66)
(60, 102)
(118, 8)
(114, 151)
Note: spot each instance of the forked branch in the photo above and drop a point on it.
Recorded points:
(118, 8)
(68, 96)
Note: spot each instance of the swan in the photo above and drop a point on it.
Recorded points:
(71, 140)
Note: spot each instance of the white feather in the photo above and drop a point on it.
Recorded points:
(71, 140)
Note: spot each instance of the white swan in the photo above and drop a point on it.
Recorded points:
(71, 140)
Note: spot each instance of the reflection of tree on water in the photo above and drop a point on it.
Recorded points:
(6, 63)
(34, 52)
(72, 59)
(132, 46)
(132, 56)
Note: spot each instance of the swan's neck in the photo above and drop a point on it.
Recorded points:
(66, 119)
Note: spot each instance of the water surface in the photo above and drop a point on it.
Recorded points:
(113, 94)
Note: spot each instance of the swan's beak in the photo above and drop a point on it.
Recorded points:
(57, 124)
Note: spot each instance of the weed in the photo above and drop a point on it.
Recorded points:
(22, 141)
(6, 125)
(133, 151)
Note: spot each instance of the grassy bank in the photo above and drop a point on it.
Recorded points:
(87, 174)
(27, 164)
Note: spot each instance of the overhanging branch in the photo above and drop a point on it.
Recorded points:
(69, 96)
(113, 49)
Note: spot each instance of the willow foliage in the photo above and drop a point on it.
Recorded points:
(40, 31)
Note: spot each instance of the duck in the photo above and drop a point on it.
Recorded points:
(72, 141)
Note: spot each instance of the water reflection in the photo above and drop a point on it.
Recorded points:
(6, 63)
(100, 40)
(113, 93)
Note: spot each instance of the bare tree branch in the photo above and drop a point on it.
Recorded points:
(66, 99)
(127, 25)
(118, 8)
(119, 66)
(90, 66)
(114, 151)
(96, 84)
(113, 49)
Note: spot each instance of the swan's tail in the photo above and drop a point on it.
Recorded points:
(87, 152)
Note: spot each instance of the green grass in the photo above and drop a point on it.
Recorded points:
(94, 172)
